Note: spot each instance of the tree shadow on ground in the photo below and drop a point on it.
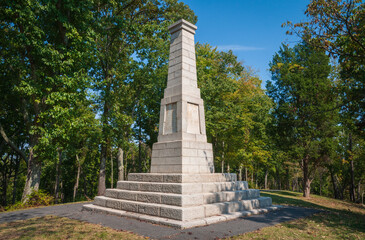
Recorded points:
(341, 220)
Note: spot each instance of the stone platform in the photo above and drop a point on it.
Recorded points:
(182, 200)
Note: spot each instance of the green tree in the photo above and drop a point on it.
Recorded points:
(45, 51)
(236, 109)
(305, 113)
(338, 27)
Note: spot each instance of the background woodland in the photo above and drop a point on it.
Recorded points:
(81, 84)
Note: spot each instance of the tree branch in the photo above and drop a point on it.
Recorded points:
(12, 145)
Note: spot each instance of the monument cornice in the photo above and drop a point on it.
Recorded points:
(182, 24)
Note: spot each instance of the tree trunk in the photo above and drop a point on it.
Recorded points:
(5, 189)
(33, 175)
(101, 184)
(352, 183)
(334, 184)
(140, 150)
(223, 158)
(307, 188)
(256, 181)
(245, 173)
(4, 183)
(62, 195)
(77, 178)
(240, 175)
(278, 181)
(58, 175)
(15, 184)
(359, 191)
(85, 185)
(287, 179)
(252, 178)
(104, 144)
(341, 188)
(111, 169)
(306, 181)
(120, 165)
(126, 166)
(320, 184)
(266, 175)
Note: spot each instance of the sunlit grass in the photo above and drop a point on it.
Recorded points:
(340, 220)
(51, 227)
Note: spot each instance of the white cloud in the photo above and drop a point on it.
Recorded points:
(238, 48)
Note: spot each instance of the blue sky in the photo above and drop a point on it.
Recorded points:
(250, 28)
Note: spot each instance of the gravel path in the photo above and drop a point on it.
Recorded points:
(219, 230)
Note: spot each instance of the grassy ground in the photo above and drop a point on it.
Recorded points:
(340, 220)
(51, 227)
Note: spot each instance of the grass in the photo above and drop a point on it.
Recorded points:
(340, 220)
(51, 227)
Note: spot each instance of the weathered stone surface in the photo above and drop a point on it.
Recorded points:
(114, 203)
(100, 201)
(149, 209)
(172, 199)
(127, 195)
(112, 193)
(149, 197)
(171, 213)
(191, 213)
(215, 209)
(186, 178)
(130, 206)
(176, 223)
(192, 200)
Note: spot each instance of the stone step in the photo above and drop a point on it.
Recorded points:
(182, 213)
(176, 223)
(183, 200)
(182, 178)
(182, 188)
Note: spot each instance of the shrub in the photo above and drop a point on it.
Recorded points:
(39, 198)
(35, 199)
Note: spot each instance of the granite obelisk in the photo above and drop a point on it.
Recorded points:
(182, 142)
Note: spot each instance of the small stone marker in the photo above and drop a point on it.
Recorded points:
(182, 189)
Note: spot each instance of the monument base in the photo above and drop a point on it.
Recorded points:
(182, 200)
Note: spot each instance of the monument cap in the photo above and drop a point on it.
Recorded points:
(182, 24)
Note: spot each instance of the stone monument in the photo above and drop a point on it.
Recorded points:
(182, 189)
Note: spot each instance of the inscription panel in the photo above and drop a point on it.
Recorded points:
(193, 120)
(170, 125)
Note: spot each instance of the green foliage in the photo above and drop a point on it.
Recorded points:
(35, 199)
(237, 109)
(39, 198)
(338, 26)
(305, 114)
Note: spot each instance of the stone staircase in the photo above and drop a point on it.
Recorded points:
(182, 200)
